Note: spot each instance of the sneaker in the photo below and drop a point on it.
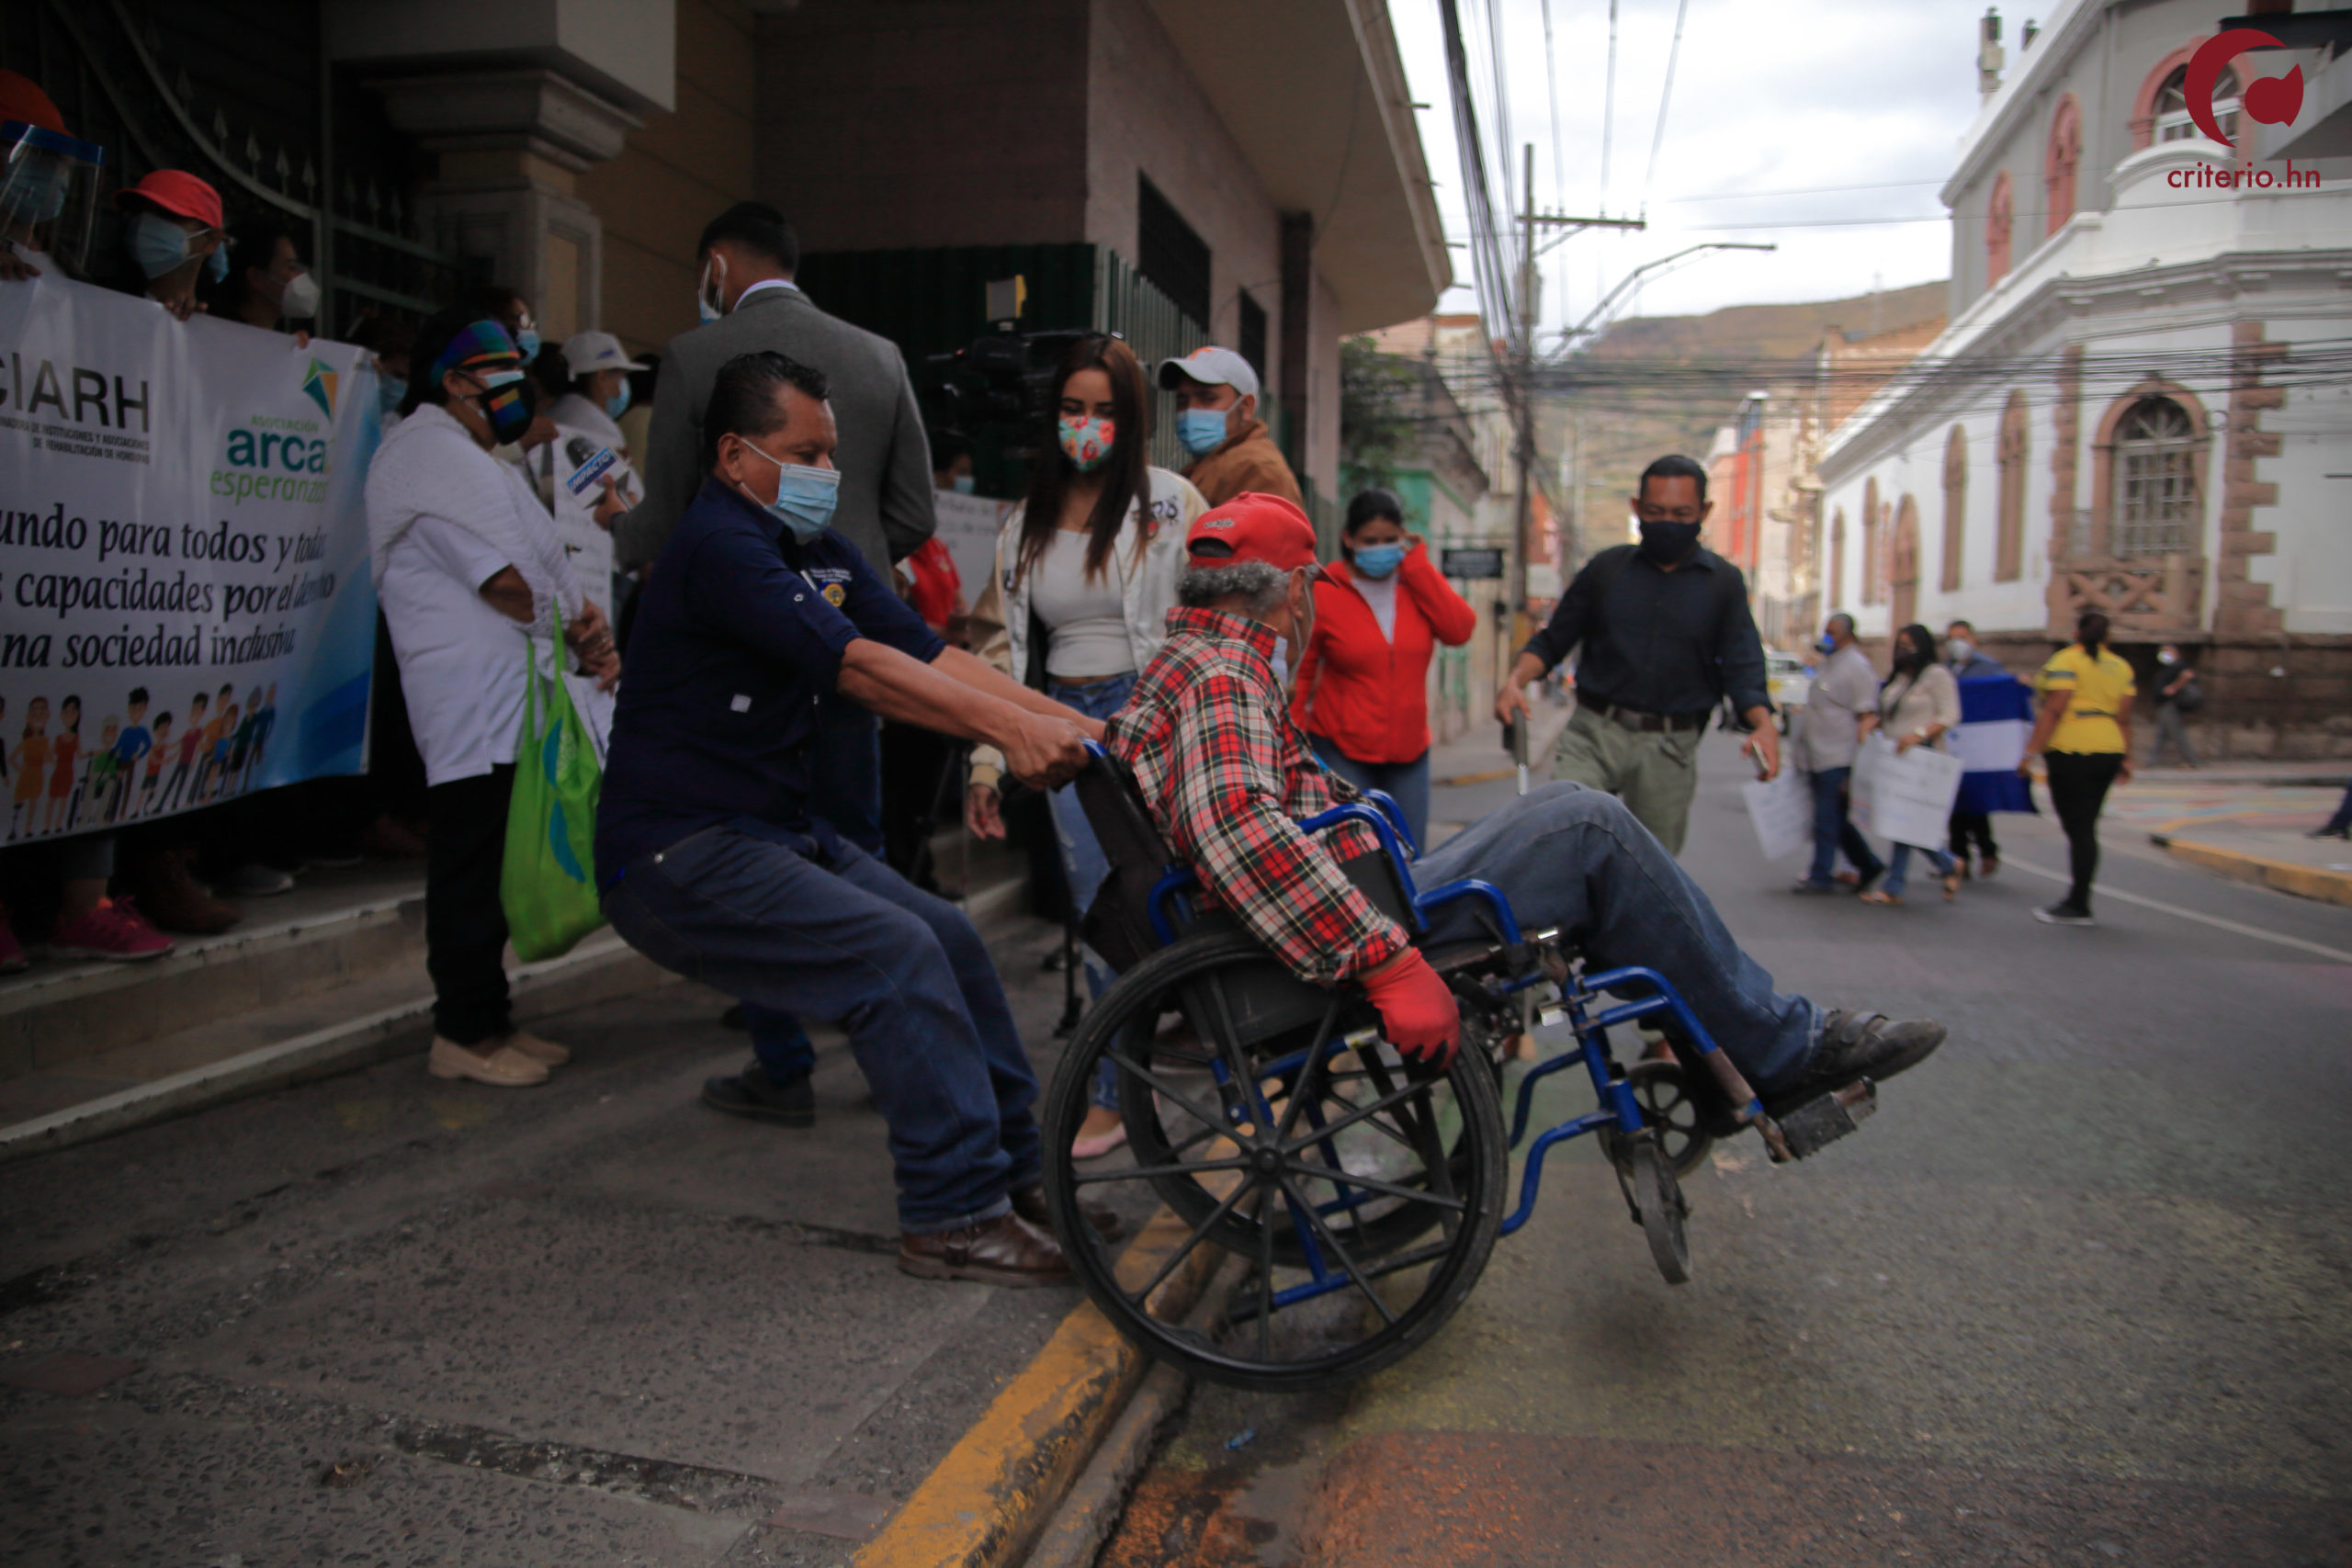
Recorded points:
(114, 931)
(254, 880)
(2063, 914)
(2330, 832)
(176, 901)
(504, 1068)
(792, 1101)
(1989, 867)
(1859, 1045)
(1808, 885)
(538, 1050)
(12, 956)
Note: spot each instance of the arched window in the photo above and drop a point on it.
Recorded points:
(2000, 218)
(2155, 480)
(2008, 556)
(1837, 557)
(2171, 107)
(1872, 566)
(1955, 506)
(2059, 162)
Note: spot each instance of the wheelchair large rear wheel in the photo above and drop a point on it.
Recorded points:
(1299, 1164)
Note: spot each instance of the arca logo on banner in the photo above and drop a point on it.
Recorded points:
(2273, 100)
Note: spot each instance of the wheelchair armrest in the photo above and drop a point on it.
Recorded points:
(1382, 828)
(1389, 808)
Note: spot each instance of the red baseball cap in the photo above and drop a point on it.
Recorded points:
(1252, 526)
(178, 192)
(22, 99)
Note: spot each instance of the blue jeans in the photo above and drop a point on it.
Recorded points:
(903, 972)
(1573, 858)
(1408, 784)
(1832, 831)
(1898, 867)
(1084, 865)
(845, 789)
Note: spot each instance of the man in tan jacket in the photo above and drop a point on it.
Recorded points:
(1217, 419)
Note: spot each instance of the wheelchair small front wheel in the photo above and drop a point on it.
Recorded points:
(1657, 1198)
(1296, 1169)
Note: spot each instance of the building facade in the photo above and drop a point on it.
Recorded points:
(2140, 402)
(1181, 173)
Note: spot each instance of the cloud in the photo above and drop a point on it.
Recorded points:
(1786, 100)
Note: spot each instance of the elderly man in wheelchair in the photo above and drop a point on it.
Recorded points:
(1295, 992)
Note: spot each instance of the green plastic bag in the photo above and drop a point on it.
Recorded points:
(547, 883)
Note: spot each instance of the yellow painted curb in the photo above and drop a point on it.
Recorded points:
(987, 1501)
(2305, 881)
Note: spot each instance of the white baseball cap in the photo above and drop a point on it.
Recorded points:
(1211, 366)
(585, 353)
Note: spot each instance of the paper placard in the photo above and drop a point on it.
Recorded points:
(1782, 813)
(1905, 798)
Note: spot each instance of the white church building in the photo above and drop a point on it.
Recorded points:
(2142, 403)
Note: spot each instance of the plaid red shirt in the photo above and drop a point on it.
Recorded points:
(1226, 775)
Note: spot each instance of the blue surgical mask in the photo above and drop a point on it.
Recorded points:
(527, 343)
(388, 393)
(158, 245)
(704, 308)
(216, 266)
(1201, 430)
(1379, 560)
(804, 498)
(962, 484)
(617, 404)
(1827, 643)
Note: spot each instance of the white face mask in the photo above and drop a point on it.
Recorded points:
(298, 300)
(1282, 658)
(1961, 648)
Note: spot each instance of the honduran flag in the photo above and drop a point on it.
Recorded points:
(1995, 718)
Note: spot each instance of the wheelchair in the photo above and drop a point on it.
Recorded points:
(1330, 1202)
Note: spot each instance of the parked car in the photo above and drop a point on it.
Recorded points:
(1790, 681)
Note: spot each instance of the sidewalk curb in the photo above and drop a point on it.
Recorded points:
(2306, 881)
(598, 970)
(1074, 1536)
(993, 1495)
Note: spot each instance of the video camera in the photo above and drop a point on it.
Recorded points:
(996, 386)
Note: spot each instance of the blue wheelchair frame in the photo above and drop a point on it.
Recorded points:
(1619, 1110)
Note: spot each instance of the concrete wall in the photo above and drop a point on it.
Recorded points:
(679, 172)
(900, 124)
(1147, 115)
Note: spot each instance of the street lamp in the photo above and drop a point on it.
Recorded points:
(1584, 327)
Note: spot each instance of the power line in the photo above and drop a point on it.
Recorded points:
(1801, 190)
(1666, 96)
(1608, 108)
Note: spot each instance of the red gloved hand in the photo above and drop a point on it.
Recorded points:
(1417, 1012)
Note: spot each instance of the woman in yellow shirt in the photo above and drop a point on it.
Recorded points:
(2086, 716)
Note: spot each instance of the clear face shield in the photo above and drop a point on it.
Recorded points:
(48, 195)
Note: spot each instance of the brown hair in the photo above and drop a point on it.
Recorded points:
(1126, 477)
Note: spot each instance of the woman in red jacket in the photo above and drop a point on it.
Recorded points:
(1363, 689)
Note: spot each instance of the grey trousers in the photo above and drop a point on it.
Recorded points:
(1654, 771)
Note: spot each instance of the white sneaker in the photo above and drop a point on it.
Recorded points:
(504, 1068)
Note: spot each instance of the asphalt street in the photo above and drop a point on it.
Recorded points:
(386, 1319)
(2076, 1294)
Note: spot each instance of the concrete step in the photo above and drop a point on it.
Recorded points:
(374, 1018)
(334, 928)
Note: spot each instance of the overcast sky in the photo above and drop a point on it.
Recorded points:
(1777, 100)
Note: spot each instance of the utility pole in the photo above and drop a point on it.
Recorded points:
(1518, 381)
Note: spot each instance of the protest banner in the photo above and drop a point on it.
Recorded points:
(969, 525)
(186, 613)
(1782, 811)
(1903, 796)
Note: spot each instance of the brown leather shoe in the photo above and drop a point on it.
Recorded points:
(175, 900)
(1007, 1250)
(1029, 1203)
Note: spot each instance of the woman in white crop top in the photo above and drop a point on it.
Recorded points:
(1085, 574)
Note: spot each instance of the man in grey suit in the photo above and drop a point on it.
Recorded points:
(748, 302)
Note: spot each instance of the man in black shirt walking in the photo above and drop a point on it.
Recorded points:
(1667, 635)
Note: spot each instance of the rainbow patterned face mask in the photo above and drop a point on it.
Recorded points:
(1087, 442)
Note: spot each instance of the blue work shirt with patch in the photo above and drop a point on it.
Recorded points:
(738, 635)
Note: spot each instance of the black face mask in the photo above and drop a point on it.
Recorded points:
(1666, 543)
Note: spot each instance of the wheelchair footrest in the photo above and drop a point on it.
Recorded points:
(1818, 1123)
